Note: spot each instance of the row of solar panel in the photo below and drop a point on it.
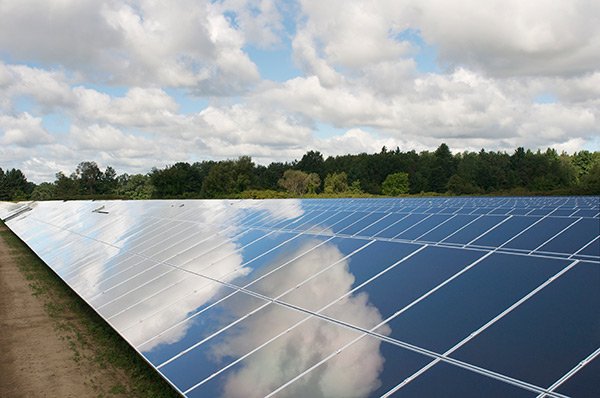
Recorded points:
(131, 288)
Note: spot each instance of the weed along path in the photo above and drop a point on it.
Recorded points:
(53, 345)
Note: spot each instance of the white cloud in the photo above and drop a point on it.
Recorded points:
(509, 38)
(23, 130)
(361, 75)
(302, 346)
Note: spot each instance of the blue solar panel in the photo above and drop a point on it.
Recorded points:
(408, 297)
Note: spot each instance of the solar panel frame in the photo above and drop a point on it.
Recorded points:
(129, 238)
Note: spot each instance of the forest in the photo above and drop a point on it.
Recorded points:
(389, 173)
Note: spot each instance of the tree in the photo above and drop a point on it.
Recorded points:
(312, 162)
(44, 191)
(65, 186)
(138, 186)
(336, 183)
(590, 182)
(108, 182)
(88, 175)
(229, 177)
(297, 182)
(395, 184)
(12, 183)
(459, 186)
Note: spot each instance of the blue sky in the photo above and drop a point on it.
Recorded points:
(136, 84)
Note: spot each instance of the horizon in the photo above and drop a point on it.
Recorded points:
(135, 85)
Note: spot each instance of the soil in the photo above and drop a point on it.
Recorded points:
(37, 357)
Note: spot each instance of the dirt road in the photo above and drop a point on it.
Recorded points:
(37, 358)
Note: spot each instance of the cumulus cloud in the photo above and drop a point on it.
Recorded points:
(108, 71)
(512, 38)
(23, 130)
(312, 340)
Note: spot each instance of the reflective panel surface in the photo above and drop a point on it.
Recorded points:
(407, 297)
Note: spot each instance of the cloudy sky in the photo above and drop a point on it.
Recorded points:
(135, 84)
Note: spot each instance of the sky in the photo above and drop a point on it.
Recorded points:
(140, 84)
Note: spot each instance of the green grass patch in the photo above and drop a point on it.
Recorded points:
(88, 334)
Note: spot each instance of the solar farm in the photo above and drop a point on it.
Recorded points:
(403, 297)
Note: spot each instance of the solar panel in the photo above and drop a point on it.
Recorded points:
(410, 297)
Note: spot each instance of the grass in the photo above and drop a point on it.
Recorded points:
(89, 337)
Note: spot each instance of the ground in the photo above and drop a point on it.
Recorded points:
(42, 352)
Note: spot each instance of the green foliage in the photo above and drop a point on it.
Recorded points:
(459, 186)
(44, 191)
(228, 177)
(311, 162)
(438, 172)
(137, 186)
(336, 183)
(14, 185)
(355, 188)
(590, 182)
(297, 182)
(395, 184)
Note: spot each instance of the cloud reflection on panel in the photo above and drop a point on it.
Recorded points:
(306, 344)
(157, 318)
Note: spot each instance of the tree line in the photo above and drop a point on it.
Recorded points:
(388, 172)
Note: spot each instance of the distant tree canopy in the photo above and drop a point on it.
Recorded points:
(395, 184)
(389, 172)
(298, 182)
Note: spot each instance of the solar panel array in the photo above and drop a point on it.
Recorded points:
(410, 297)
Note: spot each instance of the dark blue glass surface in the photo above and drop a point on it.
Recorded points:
(471, 300)
(248, 295)
(574, 238)
(382, 224)
(403, 284)
(547, 335)
(584, 383)
(402, 225)
(593, 249)
(295, 264)
(452, 224)
(230, 345)
(475, 229)
(505, 231)
(445, 380)
(340, 278)
(539, 233)
(362, 223)
(423, 227)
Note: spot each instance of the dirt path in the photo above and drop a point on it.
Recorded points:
(36, 356)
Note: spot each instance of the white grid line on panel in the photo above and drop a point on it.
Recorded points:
(157, 263)
(500, 249)
(182, 279)
(571, 372)
(269, 300)
(488, 230)
(412, 226)
(129, 267)
(523, 231)
(373, 223)
(191, 293)
(341, 232)
(555, 235)
(434, 228)
(330, 226)
(482, 328)
(309, 313)
(426, 352)
(236, 290)
(392, 224)
(586, 245)
(463, 227)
